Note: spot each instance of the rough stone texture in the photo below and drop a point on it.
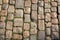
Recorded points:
(29, 19)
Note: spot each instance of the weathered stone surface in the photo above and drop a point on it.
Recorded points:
(59, 18)
(34, 6)
(41, 25)
(47, 5)
(2, 31)
(47, 10)
(27, 3)
(2, 25)
(46, 0)
(9, 25)
(55, 28)
(48, 24)
(47, 17)
(19, 4)
(26, 26)
(5, 1)
(41, 35)
(48, 31)
(54, 3)
(27, 10)
(59, 9)
(33, 37)
(33, 25)
(10, 16)
(54, 15)
(18, 22)
(26, 34)
(3, 18)
(5, 6)
(17, 36)
(2, 37)
(34, 1)
(55, 35)
(34, 15)
(0, 7)
(33, 31)
(41, 16)
(40, 10)
(17, 29)
(41, 3)
(8, 34)
(19, 13)
(12, 1)
(0, 1)
(26, 39)
(26, 18)
(11, 9)
(48, 38)
(54, 9)
(54, 21)
(4, 12)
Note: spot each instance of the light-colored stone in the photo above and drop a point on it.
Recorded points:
(54, 21)
(54, 9)
(19, 13)
(18, 22)
(5, 1)
(48, 38)
(59, 18)
(48, 31)
(59, 9)
(47, 5)
(0, 7)
(55, 28)
(8, 34)
(40, 10)
(11, 9)
(10, 16)
(34, 1)
(33, 31)
(47, 17)
(12, 1)
(34, 15)
(26, 34)
(26, 26)
(17, 36)
(2, 31)
(17, 29)
(26, 18)
(34, 6)
(54, 3)
(19, 4)
(33, 25)
(0, 1)
(3, 18)
(41, 25)
(9, 25)
(41, 3)
(46, 0)
(26, 39)
(54, 15)
(48, 24)
(28, 3)
(27, 10)
(47, 10)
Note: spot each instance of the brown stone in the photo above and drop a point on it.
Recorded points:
(47, 10)
(34, 6)
(3, 18)
(46, 0)
(34, 1)
(2, 31)
(48, 38)
(5, 1)
(48, 24)
(41, 3)
(54, 9)
(54, 3)
(54, 21)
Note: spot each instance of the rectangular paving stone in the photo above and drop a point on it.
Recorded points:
(41, 25)
(0, 7)
(5, 1)
(47, 5)
(12, 1)
(2, 31)
(54, 9)
(34, 1)
(19, 4)
(18, 22)
(19, 13)
(0, 1)
(47, 10)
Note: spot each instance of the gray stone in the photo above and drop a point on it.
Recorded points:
(47, 5)
(26, 39)
(0, 7)
(2, 37)
(19, 4)
(0, 1)
(41, 35)
(41, 3)
(47, 10)
(54, 9)
(5, 6)
(12, 1)
(33, 37)
(48, 38)
(54, 21)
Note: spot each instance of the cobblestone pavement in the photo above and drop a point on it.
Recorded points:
(29, 19)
